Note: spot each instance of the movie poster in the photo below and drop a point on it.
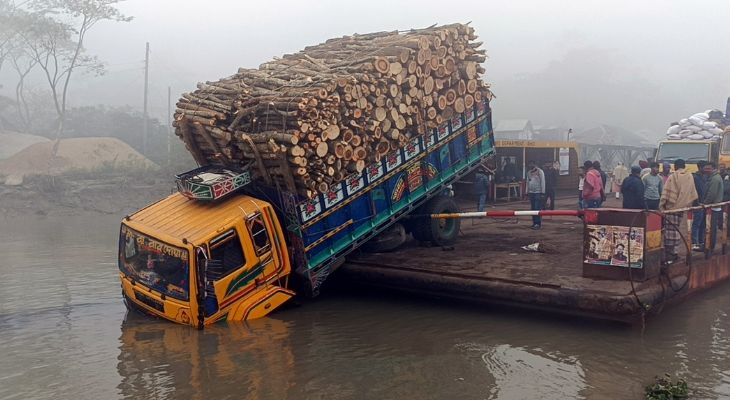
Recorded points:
(612, 245)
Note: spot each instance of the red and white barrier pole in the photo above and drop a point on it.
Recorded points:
(510, 213)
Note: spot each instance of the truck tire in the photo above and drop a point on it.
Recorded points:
(440, 232)
(388, 240)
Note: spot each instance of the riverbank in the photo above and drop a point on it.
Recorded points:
(84, 194)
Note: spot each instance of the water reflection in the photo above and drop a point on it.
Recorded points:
(238, 360)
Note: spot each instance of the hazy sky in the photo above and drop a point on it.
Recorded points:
(638, 64)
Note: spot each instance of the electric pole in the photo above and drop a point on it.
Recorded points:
(146, 78)
(169, 124)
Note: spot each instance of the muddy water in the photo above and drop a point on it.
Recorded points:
(64, 333)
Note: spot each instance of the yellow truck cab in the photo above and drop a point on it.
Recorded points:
(196, 263)
(725, 150)
(691, 151)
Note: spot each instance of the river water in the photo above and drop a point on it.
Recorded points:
(65, 333)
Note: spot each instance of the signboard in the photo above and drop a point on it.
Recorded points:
(612, 245)
(564, 160)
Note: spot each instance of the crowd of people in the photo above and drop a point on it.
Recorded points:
(644, 187)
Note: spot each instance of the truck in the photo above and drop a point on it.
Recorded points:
(717, 151)
(227, 247)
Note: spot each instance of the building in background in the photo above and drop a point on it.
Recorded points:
(514, 129)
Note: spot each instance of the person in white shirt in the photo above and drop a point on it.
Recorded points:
(582, 178)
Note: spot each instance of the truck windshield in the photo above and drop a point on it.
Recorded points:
(154, 263)
(688, 151)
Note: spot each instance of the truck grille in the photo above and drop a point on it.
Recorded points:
(156, 304)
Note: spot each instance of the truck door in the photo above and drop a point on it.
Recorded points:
(226, 261)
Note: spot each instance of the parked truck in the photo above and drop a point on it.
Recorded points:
(224, 247)
(715, 150)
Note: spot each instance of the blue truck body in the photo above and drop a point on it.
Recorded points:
(323, 230)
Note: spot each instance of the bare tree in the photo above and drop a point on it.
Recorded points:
(59, 47)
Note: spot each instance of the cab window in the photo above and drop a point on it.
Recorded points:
(259, 235)
(226, 249)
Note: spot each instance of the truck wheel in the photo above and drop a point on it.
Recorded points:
(440, 232)
(388, 240)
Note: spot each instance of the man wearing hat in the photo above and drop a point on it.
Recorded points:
(633, 190)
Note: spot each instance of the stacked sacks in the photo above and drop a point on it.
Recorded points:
(707, 125)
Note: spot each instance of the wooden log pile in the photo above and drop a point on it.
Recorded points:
(309, 119)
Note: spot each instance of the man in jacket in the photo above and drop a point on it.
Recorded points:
(679, 192)
(633, 190)
(536, 192)
(713, 195)
(592, 187)
(619, 174)
(551, 181)
(653, 186)
(481, 187)
(698, 216)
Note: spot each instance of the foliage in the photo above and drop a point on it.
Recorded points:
(664, 389)
(49, 35)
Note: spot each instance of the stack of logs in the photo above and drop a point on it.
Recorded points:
(309, 119)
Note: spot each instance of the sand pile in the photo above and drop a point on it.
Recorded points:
(13, 142)
(77, 154)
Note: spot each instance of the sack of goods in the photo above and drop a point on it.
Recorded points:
(708, 125)
(328, 111)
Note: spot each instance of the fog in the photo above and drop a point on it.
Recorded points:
(639, 65)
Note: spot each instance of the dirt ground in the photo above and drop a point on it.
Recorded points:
(492, 249)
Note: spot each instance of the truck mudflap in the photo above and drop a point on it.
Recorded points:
(260, 304)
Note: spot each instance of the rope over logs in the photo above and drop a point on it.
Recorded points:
(311, 118)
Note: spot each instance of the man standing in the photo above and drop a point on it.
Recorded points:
(481, 187)
(633, 190)
(645, 170)
(536, 192)
(604, 179)
(666, 169)
(713, 195)
(698, 216)
(592, 187)
(679, 192)
(653, 186)
(619, 174)
(551, 181)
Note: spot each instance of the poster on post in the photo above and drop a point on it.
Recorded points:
(613, 245)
